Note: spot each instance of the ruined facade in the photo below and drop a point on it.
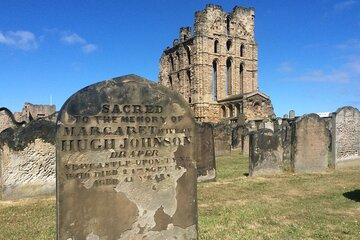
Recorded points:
(29, 112)
(215, 67)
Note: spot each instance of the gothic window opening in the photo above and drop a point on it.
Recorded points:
(223, 108)
(241, 73)
(178, 59)
(170, 82)
(216, 45)
(172, 62)
(228, 77)
(228, 45)
(188, 54)
(214, 81)
(228, 25)
(242, 50)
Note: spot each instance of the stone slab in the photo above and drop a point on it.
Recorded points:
(126, 163)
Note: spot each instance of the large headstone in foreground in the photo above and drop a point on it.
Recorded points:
(346, 137)
(126, 163)
(311, 149)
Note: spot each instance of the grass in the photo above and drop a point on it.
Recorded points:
(307, 206)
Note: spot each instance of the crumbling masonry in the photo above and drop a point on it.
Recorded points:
(215, 67)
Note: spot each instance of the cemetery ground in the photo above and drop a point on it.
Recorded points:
(289, 206)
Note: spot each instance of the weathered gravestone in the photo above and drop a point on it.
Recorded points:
(222, 139)
(346, 137)
(206, 158)
(265, 153)
(126, 163)
(27, 160)
(311, 148)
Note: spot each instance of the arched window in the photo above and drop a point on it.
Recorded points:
(241, 75)
(188, 54)
(228, 45)
(223, 108)
(216, 45)
(170, 82)
(172, 62)
(214, 81)
(189, 84)
(178, 60)
(228, 25)
(242, 50)
(228, 77)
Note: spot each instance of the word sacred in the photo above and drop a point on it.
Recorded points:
(130, 109)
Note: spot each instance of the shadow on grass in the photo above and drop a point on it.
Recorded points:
(246, 174)
(353, 195)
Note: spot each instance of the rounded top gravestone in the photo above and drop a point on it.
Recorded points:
(126, 163)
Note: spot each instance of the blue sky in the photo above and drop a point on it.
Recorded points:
(309, 51)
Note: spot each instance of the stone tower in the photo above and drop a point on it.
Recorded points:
(215, 67)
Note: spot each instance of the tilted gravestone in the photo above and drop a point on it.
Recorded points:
(346, 137)
(27, 160)
(206, 158)
(311, 148)
(126, 163)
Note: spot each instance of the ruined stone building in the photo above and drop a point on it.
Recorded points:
(28, 113)
(215, 66)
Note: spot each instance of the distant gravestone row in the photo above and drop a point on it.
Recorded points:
(307, 144)
(126, 163)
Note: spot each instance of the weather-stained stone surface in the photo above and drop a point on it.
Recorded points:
(312, 146)
(27, 160)
(222, 139)
(126, 165)
(265, 153)
(346, 137)
(206, 167)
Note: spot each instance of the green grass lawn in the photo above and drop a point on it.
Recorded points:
(308, 206)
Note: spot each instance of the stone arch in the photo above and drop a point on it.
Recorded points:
(229, 76)
(242, 50)
(216, 46)
(228, 44)
(171, 62)
(241, 76)
(214, 79)
(188, 54)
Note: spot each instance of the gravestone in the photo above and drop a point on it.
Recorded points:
(206, 158)
(265, 153)
(312, 151)
(126, 163)
(27, 160)
(291, 114)
(346, 137)
(222, 139)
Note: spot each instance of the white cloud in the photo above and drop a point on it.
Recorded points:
(343, 5)
(89, 48)
(354, 65)
(23, 40)
(75, 39)
(338, 76)
(285, 67)
(351, 44)
(72, 38)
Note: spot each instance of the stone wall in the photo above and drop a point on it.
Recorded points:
(27, 160)
(346, 137)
